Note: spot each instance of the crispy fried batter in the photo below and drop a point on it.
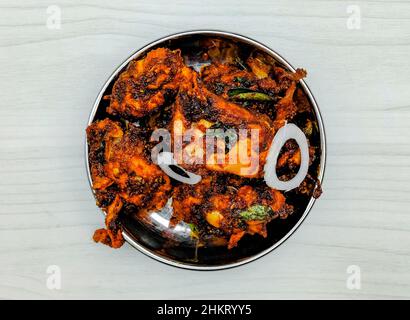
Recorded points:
(117, 161)
(197, 109)
(146, 84)
(263, 77)
(220, 78)
(216, 206)
(112, 235)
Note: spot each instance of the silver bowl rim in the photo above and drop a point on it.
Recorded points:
(277, 57)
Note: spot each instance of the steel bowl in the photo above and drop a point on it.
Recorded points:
(147, 236)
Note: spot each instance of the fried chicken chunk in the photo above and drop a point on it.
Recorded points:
(146, 84)
(197, 109)
(268, 83)
(218, 209)
(112, 235)
(121, 170)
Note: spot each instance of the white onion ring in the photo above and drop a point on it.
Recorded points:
(165, 159)
(288, 131)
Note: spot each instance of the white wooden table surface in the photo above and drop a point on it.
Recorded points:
(50, 78)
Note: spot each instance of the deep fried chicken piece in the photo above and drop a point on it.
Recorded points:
(269, 199)
(216, 208)
(101, 136)
(273, 81)
(290, 156)
(220, 78)
(185, 197)
(197, 109)
(112, 235)
(146, 84)
(117, 161)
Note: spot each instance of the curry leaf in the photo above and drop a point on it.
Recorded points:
(256, 212)
(194, 231)
(247, 94)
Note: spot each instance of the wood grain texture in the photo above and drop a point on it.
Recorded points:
(50, 78)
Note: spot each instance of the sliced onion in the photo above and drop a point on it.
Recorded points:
(288, 131)
(166, 159)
